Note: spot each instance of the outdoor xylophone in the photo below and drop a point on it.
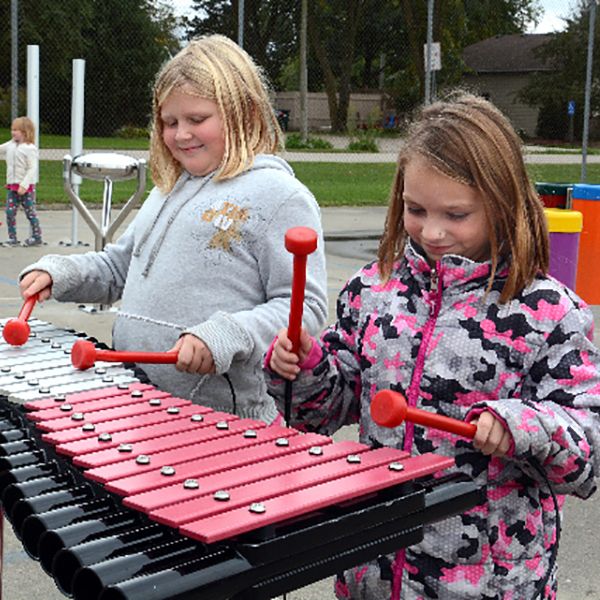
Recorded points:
(123, 491)
(119, 488)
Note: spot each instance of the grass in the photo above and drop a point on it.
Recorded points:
(333, 184)
(50, 189)
(96, 143)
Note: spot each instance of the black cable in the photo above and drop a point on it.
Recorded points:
(287, 399)
(233, 398)
(542, 584)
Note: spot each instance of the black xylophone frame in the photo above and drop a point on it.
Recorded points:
(88, 459)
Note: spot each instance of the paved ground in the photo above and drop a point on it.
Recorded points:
(388, 153)
(24, 580)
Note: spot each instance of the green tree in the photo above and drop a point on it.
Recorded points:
(347, 39)
(123, 42)
(332, 32)
(57, 28)
(551, 91)
(270, 29)
(459, 23)
(122, 59)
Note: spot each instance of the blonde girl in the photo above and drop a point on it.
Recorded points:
(203, 268)
(21, 176)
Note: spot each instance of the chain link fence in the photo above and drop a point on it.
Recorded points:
(365, 61)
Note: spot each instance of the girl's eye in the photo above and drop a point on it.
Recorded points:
(413, 210)
(457, 216)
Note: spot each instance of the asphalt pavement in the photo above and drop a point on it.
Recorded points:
(350, 242)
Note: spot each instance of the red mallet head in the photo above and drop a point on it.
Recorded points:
(83, 354)
(16, 332)
(301, 240)
(388, 408)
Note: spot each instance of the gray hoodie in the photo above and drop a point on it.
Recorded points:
(208, 259)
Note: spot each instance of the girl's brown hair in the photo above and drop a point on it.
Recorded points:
(215, 68)
(25, 124)
(469, 140)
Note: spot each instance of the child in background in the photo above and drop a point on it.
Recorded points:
(203, 268)
(21, 176)
(459, 315)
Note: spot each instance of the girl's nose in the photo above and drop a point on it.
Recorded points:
(432, 231)
(182, 133)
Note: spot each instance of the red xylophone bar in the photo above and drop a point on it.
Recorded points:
(389, 409)
(84, 354)
(16, 331)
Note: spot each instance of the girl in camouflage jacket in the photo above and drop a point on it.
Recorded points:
(458, 313)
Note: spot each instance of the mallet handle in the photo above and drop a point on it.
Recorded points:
(138, 357)
(27, 308)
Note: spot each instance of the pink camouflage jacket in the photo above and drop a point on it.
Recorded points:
(434, 335)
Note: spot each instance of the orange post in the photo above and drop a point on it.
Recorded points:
(586, 200)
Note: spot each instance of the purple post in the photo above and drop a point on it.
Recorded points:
(564, 251)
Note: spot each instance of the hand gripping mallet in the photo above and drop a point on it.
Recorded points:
(300, 241)
(84, 354)
(16, 331)
(389, 409)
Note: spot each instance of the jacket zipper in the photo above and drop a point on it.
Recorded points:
(434, 288)
(435, 303)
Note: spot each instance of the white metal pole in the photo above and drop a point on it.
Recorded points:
(77, 112)
(241, 23)
(303, 72)
(588, 91)
(14, 59)
(428, 70)
(33, 89)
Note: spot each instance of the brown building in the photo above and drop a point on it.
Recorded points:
(500, 67)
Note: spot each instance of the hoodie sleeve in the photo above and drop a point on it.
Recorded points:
(97, 277)
(245, 335)
(327, 393)
(557, 419)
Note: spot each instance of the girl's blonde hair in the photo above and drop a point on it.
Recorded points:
(25, 124)
(469, 140)
(215, 68)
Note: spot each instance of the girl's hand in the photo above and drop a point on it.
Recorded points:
(21, 191)
(36, 282)
(283, 360)
(194, 355)
(491, 437)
